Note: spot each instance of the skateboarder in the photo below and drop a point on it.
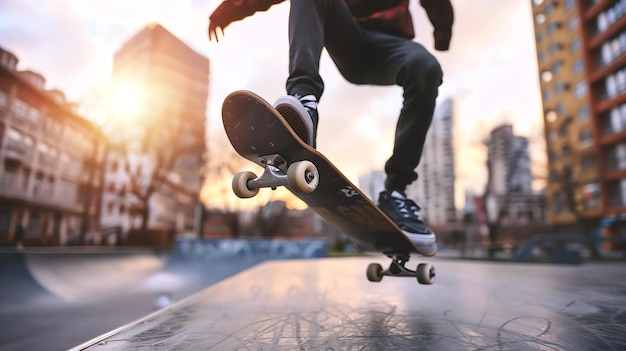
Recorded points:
(371, 42)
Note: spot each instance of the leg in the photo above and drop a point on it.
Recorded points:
(314, 24)
(408, 64)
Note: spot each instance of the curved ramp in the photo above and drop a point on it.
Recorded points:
(72, 276)
(17, 285)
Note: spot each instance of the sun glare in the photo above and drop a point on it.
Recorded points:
(125, 99)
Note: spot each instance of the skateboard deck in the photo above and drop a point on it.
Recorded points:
(260, 134)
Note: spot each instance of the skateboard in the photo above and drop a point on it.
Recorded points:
(260, 134)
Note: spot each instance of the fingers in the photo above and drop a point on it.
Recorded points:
(213, 33)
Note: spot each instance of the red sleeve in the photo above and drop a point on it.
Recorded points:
(234, 10)
(441, 15)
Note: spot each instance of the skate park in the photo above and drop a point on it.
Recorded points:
(285, 295)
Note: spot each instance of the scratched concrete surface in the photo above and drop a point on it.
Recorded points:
(328, 304)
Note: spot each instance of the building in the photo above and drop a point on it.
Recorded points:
(372, 183)
(435, 190)
(509, 188)
(582, 67)
(157, 125)
(50, 161)
(509, 159)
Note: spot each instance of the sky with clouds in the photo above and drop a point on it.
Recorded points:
(490, 70)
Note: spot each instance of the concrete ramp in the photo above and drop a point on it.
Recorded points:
(17, 284)
(327, 304)
(84, 277)
(76, 276)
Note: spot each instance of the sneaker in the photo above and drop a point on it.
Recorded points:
(300, 112)
(405, 213)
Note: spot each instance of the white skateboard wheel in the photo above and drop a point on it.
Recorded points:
(240, 185)
(425, 273)
(303, 177)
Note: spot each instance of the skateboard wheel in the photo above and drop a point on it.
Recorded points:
(303, 177)
(373, 272)
(240, 185)
(425, 273)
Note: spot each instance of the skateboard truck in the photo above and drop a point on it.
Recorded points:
(425, 272)
(301, 176)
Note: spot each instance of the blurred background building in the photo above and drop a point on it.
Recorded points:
(582, 67)
(510, 193)
(157, 134)
(434, 191)
(50, 162)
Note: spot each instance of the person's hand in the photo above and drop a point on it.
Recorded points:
(213, 27)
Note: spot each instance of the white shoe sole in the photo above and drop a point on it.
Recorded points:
(422, 239)
(296, 116)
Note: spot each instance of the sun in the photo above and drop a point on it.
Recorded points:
(125, 99)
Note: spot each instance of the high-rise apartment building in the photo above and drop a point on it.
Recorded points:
(157, 126)
(434, 190)
(509, 190)
(50, 162)
(509, 160)
(582, 67)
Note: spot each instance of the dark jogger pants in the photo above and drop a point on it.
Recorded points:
(366, 57)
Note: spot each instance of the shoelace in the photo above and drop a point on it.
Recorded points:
(309, 101)
(408, 208)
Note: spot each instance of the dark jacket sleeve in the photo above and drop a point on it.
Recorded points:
(441, 15)
(234, 10)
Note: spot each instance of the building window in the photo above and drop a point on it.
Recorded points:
(585, 138)
(616, 120)
(24, 180)
(546, 95)
(583, 113)
(553, 27)
(572, 23)
(38, 187)
(14, 140)
(560, 87)
(579, 67)
(581, 89)
(555, 47)
(575, 45)
(560, 109)
(8, 177)
(616, 157)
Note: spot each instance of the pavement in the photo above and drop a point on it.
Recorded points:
(328, 304)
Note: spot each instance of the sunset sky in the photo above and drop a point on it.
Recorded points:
(490, 70)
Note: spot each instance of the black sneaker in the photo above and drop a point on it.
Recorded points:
(300, 112)
(405, 213)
